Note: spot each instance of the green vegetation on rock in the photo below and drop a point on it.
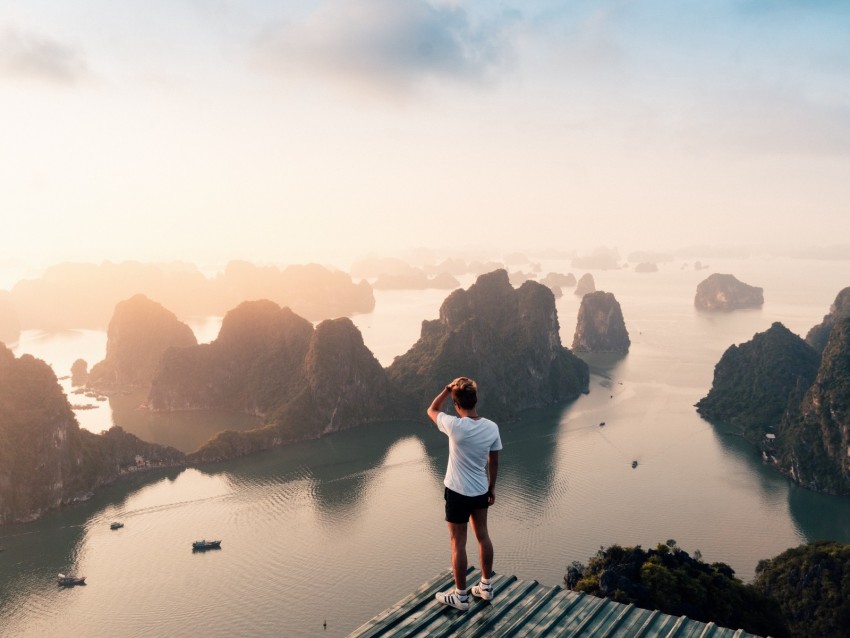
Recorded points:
(753, 381)
(811, 583)
(814, 437)
(668, 579)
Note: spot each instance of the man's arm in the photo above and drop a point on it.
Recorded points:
(492, 472)
(437, 403)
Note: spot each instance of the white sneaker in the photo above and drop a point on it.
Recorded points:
(484, 591)
(453, 599)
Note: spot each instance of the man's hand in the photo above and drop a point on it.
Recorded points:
(457, 382)
(491, 497)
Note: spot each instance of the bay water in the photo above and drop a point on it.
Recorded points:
(336, 530)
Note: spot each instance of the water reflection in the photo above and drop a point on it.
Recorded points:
(339, 468)
(526, 466)
(820, 516)
(185, 430)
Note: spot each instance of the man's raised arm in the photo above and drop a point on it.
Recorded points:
(437, 403)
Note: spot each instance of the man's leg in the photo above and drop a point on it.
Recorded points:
(457, 532)
(485, 545)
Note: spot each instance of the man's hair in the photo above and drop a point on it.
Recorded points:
(465, 394)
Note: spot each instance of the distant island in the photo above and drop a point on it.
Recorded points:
(599, 259)
(793, 401)
(585, 284)
(724, 293)
(87, 293)
(646, 266)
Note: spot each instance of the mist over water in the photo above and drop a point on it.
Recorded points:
(340, 528)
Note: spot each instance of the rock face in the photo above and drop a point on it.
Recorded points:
(724, 293)
(46, 460)
(754, 381)
(600, 326)
(585, 285)
(840, 309)
(255, 361)
(506, 339)
(270, 362)
(814, 440)
(140, 332)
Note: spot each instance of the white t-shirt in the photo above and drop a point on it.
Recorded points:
(470, 443)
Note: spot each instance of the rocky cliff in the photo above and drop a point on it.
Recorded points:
(504, 338)
(814, 439)
(600, 326)
(270, 362)
(755, 381)
(725, 293)
(254, 363)
(818, 336)
(139, 333)
(46, 460)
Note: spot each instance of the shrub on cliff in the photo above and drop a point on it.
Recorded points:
(670, 580)
(811, 583)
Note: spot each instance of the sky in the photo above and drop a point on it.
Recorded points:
(210, 130)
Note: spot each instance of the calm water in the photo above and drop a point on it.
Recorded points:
(341, 528)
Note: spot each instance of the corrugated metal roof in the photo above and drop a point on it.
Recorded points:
(529, 609)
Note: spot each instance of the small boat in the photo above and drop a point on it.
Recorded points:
(634, 464)
(116, 525)
(205, 545)
(70, 581)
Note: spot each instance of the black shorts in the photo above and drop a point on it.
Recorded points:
(460, 507)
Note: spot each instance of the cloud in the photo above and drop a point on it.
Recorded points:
(390, 44)
(769, 119)
(30, 56)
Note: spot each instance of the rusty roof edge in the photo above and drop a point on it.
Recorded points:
(390, 618)
(529, 610)
(514, 603)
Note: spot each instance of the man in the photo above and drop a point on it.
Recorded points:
(474, 445)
